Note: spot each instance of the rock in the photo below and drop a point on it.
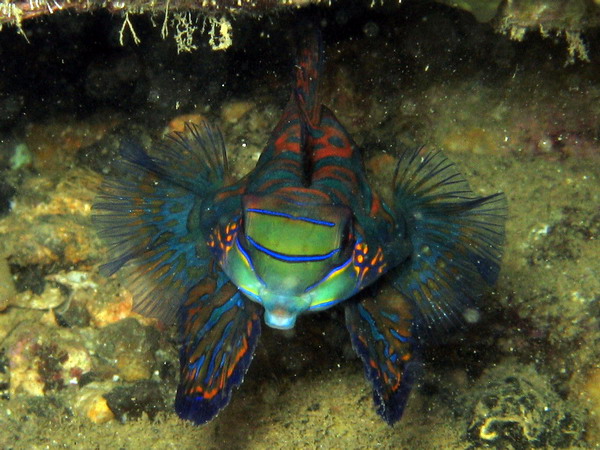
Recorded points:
(591, 394)
(111, 309)
(7, 192)
(81, 288)
(50, 408)
(177, 124)
(483, 11)
(7, 285)
(129, 402)
(4, 377)
(129, 347)
(381, 163)
(43, 359)
(72, 314)
(52, 224)
(234, 111)
(51, 298)
(90, 403)
(515, 407)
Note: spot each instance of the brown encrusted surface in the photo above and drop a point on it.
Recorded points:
(14, 11)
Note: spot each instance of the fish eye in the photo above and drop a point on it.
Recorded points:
(347, 238)
(242, 234)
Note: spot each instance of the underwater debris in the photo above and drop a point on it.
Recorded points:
(566, 19)
(184, 31)
(15, 11)
(21, 158)
(219, 33)
(219, 28)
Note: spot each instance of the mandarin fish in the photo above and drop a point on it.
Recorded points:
(303, 231)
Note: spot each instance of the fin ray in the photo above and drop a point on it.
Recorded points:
(380, 330)
(456, 236)
(150, 216)
(220, 330)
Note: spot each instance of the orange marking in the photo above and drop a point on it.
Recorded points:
(282, 143)
(296, 190)
(327, 151)
(375, 206)
(226, 194)
(205, 286)
(148, 188)
(343, 174)
(265, 186)
(146, 268)
(239, 355)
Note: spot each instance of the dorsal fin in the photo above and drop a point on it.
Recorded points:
(309, 63)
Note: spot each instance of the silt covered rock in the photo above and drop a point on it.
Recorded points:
(517, 408)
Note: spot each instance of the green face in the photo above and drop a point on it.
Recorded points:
(292, 258)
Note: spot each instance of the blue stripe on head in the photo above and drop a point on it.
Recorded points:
(289, 216)
(244, 253)
(325, 305)
(291, 258)
(251, 295)
(331, 273)
(250, 263)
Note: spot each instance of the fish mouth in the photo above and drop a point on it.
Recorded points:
(280, 319)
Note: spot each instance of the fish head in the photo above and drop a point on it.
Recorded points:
(291, 257)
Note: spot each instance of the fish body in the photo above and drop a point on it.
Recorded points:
(310, 232)
(302, 232)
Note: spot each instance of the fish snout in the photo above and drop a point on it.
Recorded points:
(280, 318)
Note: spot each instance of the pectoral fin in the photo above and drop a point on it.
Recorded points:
(219, 328)
(380, 329)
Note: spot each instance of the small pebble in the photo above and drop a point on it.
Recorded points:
(232, 112)
(177, 124)
(90, 403)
